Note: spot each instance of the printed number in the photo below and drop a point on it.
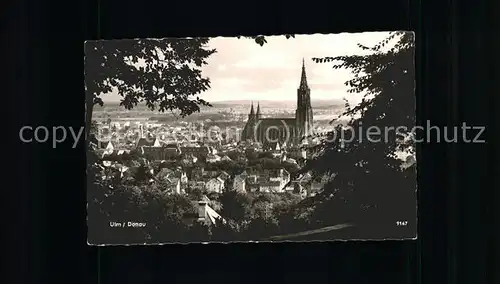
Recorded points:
(401, 223)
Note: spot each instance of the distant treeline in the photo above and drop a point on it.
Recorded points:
(193, 117)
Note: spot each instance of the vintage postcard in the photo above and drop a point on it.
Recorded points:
(263, 139)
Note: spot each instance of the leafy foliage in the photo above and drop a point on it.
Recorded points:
(162, 213)
(261, 40)
(163, 73)
(94, 129)
(369, 182)
(248, 217)
(235, 205)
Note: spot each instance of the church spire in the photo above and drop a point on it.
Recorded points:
(251, 115)
(258, 109)
(303, 77)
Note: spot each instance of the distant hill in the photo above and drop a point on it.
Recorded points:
(317, 104)
(279, 104)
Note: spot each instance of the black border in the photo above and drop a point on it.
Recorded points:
(44, 50)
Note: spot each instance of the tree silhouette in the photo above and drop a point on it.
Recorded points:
(369, 182)
(261, 40)
(235, 205)
(94, 128)
(141, 174)
(163, 73)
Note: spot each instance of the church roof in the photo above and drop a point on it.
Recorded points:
(171, 145)
(148, 142)
(268, 122)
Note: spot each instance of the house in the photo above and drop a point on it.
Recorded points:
(165, 173)
(121, 169)
(213, 149)
(195, 184)
(200, 151)
(226, 159)
(273, 147)
(252, 178)
(109, 169)
(276, 151)
(296, 187)
(168, 151)
(109, 147)
(283, 157)
(270, 186)
(122, 152)
(251, 182)
(252, 187)
(215, 185)
(107, 163)
(312, 186)
(189, 159)
(207, 215)
(183, 177)
(290, 188)
(305, 178)
(114, 152)
(279, 175)
(223, 175)
(239, 183)
(148, 142)
(284, 145)
(212, 158)
(317, 186)
(152, 148)
(173, 185)
(106, 148)
(210, 173)
(99, 143)
(197, 173)
(269, 181)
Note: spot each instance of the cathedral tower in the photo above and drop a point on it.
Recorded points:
(251, 115)
(248, 130)
(304, 114)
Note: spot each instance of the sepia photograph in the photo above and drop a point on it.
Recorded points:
(251, 139)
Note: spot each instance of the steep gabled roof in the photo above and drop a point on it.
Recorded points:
(277, 122)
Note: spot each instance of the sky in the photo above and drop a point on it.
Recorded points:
(243, 70)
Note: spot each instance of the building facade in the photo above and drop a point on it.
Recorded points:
(283, 130)
(215, 185)
(239, 183)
